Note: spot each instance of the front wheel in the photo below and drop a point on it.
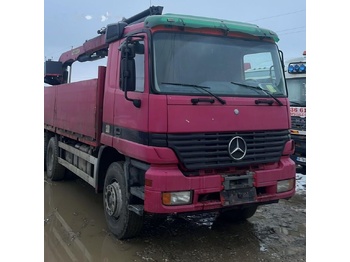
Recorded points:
(122, 222)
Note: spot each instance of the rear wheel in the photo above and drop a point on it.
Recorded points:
(239, 214)
(122, 222)
(46, 142)
(54, 170)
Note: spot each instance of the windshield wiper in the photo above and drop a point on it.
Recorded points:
(259, 88)
(204, 88)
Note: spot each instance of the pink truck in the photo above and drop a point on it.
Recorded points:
(172, 124)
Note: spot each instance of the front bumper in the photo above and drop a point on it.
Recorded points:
(210, 192)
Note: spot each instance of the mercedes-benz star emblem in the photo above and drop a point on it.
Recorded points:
(237, 148)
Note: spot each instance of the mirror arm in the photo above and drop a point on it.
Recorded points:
(136, 102)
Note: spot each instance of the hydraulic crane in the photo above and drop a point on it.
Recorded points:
(56, 72)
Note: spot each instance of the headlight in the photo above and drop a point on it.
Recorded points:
(177, 198)
(285, 185)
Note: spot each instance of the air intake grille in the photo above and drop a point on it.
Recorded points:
(299, 123)
(210, 150)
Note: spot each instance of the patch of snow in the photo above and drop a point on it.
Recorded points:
(300, 186)
(262, 248)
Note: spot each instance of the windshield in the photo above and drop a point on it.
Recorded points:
(297, 91)
(220, 64)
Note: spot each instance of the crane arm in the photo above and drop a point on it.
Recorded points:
(92, 49)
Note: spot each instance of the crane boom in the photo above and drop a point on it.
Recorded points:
(56, 72)
(92, 49)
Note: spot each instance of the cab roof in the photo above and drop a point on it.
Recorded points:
(205, 22)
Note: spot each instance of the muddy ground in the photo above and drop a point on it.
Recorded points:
(75, 230)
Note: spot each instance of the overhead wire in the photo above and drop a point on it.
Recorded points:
(284, 31)
(285, 14)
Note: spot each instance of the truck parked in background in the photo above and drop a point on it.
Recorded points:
(295, 72)
(173, 124)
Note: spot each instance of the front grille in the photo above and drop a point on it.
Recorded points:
(299, 123)
(210, 150)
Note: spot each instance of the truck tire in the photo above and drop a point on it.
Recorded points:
(237, 215)
(46, 142)
(54, 170)
(122, 222)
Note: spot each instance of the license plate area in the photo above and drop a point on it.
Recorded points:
(238, 196)
(238, 190)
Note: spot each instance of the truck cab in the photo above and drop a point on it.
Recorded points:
(296, 82)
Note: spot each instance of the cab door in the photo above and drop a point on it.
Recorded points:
(131, 107)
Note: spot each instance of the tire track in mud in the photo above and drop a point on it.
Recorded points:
(276, 232)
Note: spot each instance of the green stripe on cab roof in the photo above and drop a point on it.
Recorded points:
(205, 22)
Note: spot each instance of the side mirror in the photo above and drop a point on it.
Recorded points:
(128, 70)
(128, 76)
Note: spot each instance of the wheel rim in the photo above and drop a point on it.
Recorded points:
(113, 199)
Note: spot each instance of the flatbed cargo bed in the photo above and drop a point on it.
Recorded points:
(75, 109)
